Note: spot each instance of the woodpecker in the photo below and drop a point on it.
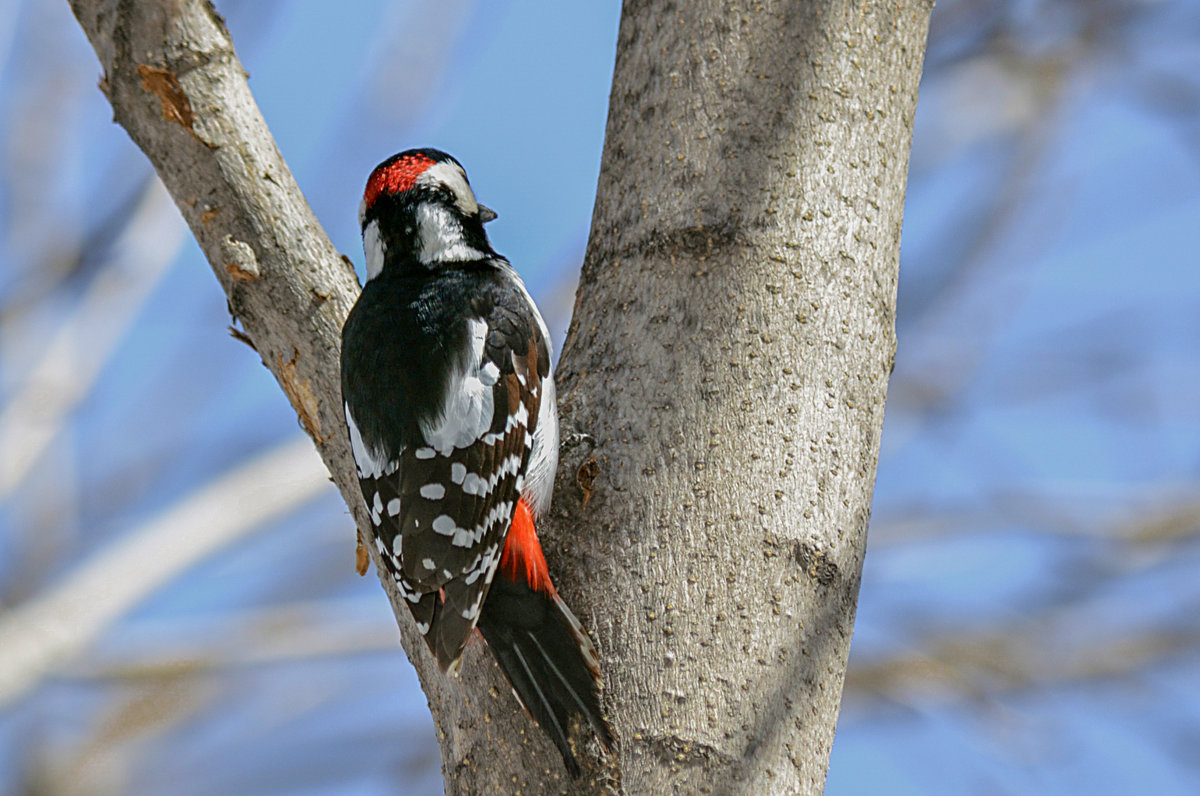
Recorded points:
(449, 400)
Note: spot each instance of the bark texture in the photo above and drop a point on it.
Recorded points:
(178, 89)
(728, 359)
(722, 385)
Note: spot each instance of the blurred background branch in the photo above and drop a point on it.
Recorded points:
(49, 630)
(1027, 622)
(151, 234)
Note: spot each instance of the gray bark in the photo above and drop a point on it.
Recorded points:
(729, 355)
(177, 87)
(726, 365)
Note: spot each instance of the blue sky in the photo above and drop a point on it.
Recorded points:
(1037, 489)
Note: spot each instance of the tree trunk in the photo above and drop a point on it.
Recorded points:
(726, 366)
(728, 360)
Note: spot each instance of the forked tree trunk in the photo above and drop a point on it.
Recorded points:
(721, 387)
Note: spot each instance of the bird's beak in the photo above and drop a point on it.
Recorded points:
(486, 214)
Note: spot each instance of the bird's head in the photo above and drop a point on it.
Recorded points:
(418, 209)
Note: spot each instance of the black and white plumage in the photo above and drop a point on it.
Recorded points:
(450, 407)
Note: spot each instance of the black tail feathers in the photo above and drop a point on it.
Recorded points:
(550, 661)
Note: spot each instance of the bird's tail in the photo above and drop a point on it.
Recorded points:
(540, 645)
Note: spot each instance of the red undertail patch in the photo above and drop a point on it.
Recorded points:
(522, 559)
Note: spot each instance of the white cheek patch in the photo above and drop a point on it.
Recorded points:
(375, 249)
(452, 176)
(442, 236)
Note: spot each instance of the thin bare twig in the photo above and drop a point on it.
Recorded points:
(77, 354)
(48, 631)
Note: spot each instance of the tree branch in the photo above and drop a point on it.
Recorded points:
(54, 626)
(728, 361)
(729, 356)
(179, 90)
(82, 344)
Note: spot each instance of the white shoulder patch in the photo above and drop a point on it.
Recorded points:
(467, 412)
(477, 330)
(543, 459)
(370, 463)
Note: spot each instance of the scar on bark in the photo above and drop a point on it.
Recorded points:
(300, 393)
(585, 478)
(176, 107)
(238, 334)
(361, 558)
